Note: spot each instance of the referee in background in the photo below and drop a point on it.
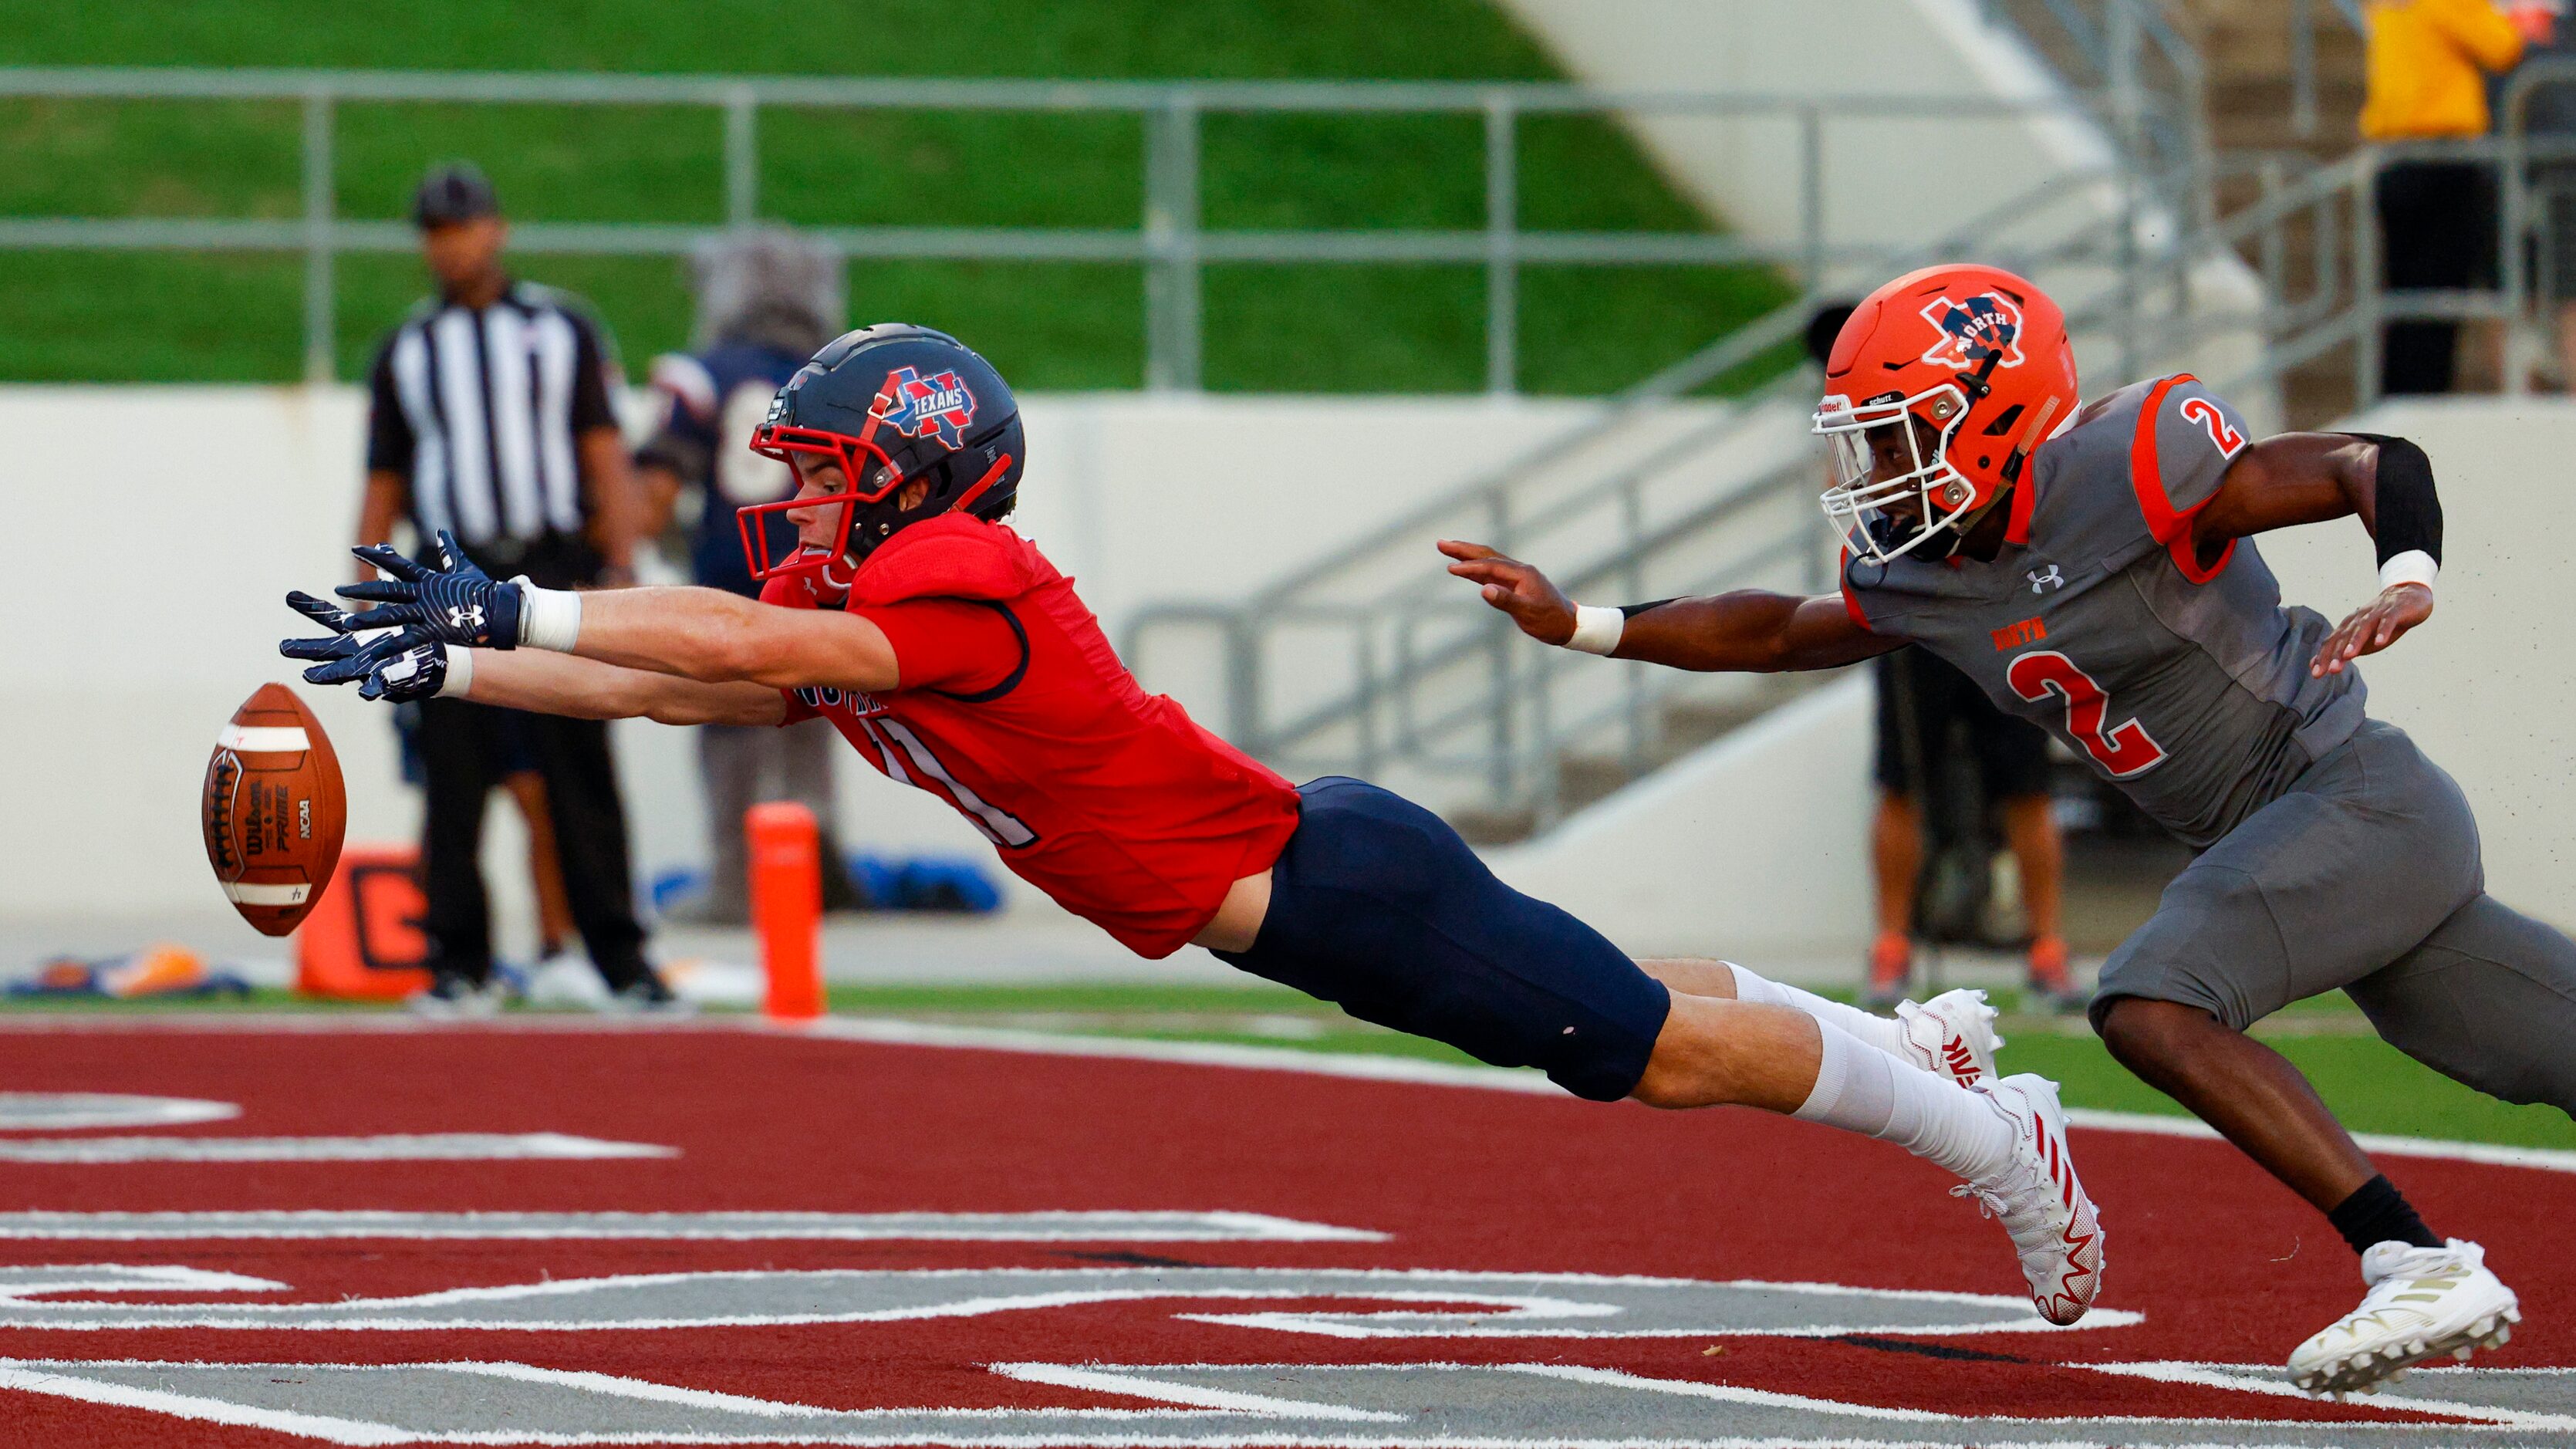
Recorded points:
(489, 416)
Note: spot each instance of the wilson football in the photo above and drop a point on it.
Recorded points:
(273, 810)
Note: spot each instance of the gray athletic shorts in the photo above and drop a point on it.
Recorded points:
(2364, 857)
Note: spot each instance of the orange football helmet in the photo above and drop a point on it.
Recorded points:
(1936, 392)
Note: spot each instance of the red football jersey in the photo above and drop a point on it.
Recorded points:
(1015, 710)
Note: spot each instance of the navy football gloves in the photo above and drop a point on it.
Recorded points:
(398, 665)
(453, 602)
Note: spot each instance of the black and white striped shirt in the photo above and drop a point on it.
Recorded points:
(478, 411)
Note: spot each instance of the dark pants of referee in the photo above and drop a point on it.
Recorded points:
(466, 750)
(2438, 222)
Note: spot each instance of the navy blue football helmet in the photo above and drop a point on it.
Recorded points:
(892, 404)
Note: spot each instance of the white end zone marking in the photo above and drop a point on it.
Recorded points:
(1149, 1226)
(202, 1410)
(412, 1147)
(20, 1284)
(1513, 1079)
(83, 1111)
(1110, 1379)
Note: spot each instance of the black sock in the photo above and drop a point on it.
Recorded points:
(2378, 1213)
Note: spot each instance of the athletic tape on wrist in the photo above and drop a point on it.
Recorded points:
(2414, 566)
(1597, 629)
(460, 675)
(548, 618)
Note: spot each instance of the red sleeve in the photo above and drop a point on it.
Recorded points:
(955, 646)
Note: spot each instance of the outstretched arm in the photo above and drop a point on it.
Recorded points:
(565, 684)
(2297, 478)
(1748, 630)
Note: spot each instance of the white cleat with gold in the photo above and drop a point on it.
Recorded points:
(2422, 1303)
(2041, 1202)
(1952, 1035)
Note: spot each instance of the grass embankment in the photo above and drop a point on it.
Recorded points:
(90, 316)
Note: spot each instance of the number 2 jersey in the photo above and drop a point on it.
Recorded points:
(2184, 683)
(1014, 710)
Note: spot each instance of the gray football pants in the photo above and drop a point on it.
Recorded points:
(745, 765)
(2365, 877)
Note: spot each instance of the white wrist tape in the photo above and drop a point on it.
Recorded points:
(548, 618)
(1596, 629)
(460, 675)
(2414, 566)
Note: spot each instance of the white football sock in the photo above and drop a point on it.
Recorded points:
(1884, 1033)
(1863, 1090)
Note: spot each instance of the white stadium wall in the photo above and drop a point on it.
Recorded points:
(153, 530)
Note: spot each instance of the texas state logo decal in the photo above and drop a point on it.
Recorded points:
(919, 407)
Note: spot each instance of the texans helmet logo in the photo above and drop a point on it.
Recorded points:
(918, 406)
(1967, 333)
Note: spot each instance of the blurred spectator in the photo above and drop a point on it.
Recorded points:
(489, 416)
(1933, 721)
(2426, 79)
(2549, 116)
(767, 300)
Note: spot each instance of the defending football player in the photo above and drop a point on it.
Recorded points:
(2089, 567)
(955, 658)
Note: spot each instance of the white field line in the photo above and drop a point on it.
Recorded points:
(1506, 1079)
(1028, 1227)
(202, 1410)
(86, 1111)
(1188, 1053)
(406, 1147)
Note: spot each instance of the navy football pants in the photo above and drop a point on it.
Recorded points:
(1378, 906)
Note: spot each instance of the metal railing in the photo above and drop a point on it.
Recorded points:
(2303, 56)
(1169, 240)
(2147, 81)
(1370, 658)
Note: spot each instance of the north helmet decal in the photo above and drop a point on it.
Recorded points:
(918, 406)
(1966, 333)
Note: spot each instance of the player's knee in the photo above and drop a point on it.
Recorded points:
(2143, 1034)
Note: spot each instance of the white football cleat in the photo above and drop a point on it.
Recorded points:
(2422, 1303)
(2041, 1202)
(1952, 1035)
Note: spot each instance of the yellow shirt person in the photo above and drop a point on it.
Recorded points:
(2427, 66)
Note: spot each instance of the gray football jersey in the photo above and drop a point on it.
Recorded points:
(2186, 687)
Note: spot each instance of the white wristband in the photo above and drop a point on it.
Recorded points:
(548, 618)
(1596, 629)
(460, 674)
(2414, 566)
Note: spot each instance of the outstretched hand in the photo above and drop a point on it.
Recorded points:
(449, 600)
(1518, 589)
(396, 664)
(2373, 627)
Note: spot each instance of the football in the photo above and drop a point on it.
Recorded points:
(273, 810)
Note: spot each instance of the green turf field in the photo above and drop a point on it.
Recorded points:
(77, 316)
(2372, 1086)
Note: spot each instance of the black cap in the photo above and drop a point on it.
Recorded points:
(458, 191)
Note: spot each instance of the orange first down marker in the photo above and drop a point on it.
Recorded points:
(787, 906)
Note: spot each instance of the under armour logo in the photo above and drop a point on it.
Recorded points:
(2042, 580)
(465, 616)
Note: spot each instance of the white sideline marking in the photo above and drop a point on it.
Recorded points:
(421, 1147)
(78, 1111)
(1515, 1079)
(2265, 1379)
(202, 1410)
(1122, 1381)
(1029, 1227)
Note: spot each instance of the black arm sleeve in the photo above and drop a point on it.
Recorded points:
(2408, 513)
(1630, 611)
(389, 435)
